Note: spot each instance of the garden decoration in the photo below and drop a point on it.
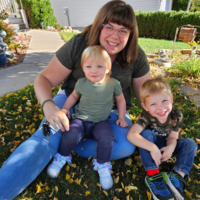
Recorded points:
(187, 34)
(2, 58)
(4, 46)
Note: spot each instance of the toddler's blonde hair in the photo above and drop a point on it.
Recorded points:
(97, 53)
(154, 86)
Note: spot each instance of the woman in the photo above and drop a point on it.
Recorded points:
(115, 29)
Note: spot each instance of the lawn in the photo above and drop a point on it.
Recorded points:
(20, 115)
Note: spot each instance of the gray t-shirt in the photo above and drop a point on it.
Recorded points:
(96, 99)
(70, 56)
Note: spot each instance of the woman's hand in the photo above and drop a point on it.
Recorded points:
(122, 123)
(56, 116)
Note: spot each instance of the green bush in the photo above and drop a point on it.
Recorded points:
(163, 24)
(179, 5)
(38, 11)
(182, 5)
(4, 14)
(9, 31)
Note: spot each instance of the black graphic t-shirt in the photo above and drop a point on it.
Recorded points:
(173, 123)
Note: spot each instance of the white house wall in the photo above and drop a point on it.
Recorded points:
(83, 12)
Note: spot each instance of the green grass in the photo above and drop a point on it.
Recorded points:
(67, 36)
(19, 118)
(153, 45)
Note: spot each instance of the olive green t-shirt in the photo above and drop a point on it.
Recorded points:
(173, 123)
(70, 56)
(96, 99)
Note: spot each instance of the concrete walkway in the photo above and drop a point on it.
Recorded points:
(41, 50)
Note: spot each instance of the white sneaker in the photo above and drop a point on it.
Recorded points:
(57, 164)
(105, 178)
(97, 166)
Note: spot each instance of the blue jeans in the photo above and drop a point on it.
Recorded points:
(185, 151)
(31, 157)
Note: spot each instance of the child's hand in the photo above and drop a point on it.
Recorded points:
(65, 119)
(156, 155)
(167, 153)
(122, 123)
(66, 112)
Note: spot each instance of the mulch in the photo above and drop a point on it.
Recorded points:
(19, 53)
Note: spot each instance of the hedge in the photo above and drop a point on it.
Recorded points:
(163, 24)
(38, 11)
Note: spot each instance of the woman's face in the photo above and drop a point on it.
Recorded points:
(113, 38)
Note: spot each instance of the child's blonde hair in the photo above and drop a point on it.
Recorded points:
(154, 86)
(97, 53)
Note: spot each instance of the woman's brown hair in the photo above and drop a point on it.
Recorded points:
(118, 12)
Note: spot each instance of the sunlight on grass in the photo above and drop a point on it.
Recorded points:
(153, 45)
(67, 36)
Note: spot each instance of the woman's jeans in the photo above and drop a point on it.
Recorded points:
(185, 151)
(31, 157)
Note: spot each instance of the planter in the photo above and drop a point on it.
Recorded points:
(2, 58)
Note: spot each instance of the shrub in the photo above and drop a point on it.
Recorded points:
(4, 14)
(9, 31)
(57, 26)
(162, 25)
(38, 11)
(179, 5)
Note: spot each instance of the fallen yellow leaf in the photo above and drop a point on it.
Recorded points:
(38, 189)
(195, 166)
(68, 168)
(17, 134)
(99, 185)
(116, 180)
(198, 196)
(56, 189)
(47, 188)
(118, 189)
(87, 193)
(73, 165)
(188, 194)
(17, 142)
(67, 176)
(149, 195)
(71, 180)
(51, 194)
(77, 181)
(134, 176)
(128, 162)
(105, 192)
(198, 141)
(67, 192)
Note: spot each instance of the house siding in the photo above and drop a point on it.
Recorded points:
(83, 12)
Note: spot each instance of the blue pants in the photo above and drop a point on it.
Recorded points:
(185, 151)
(31, 157)
(100, 132)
